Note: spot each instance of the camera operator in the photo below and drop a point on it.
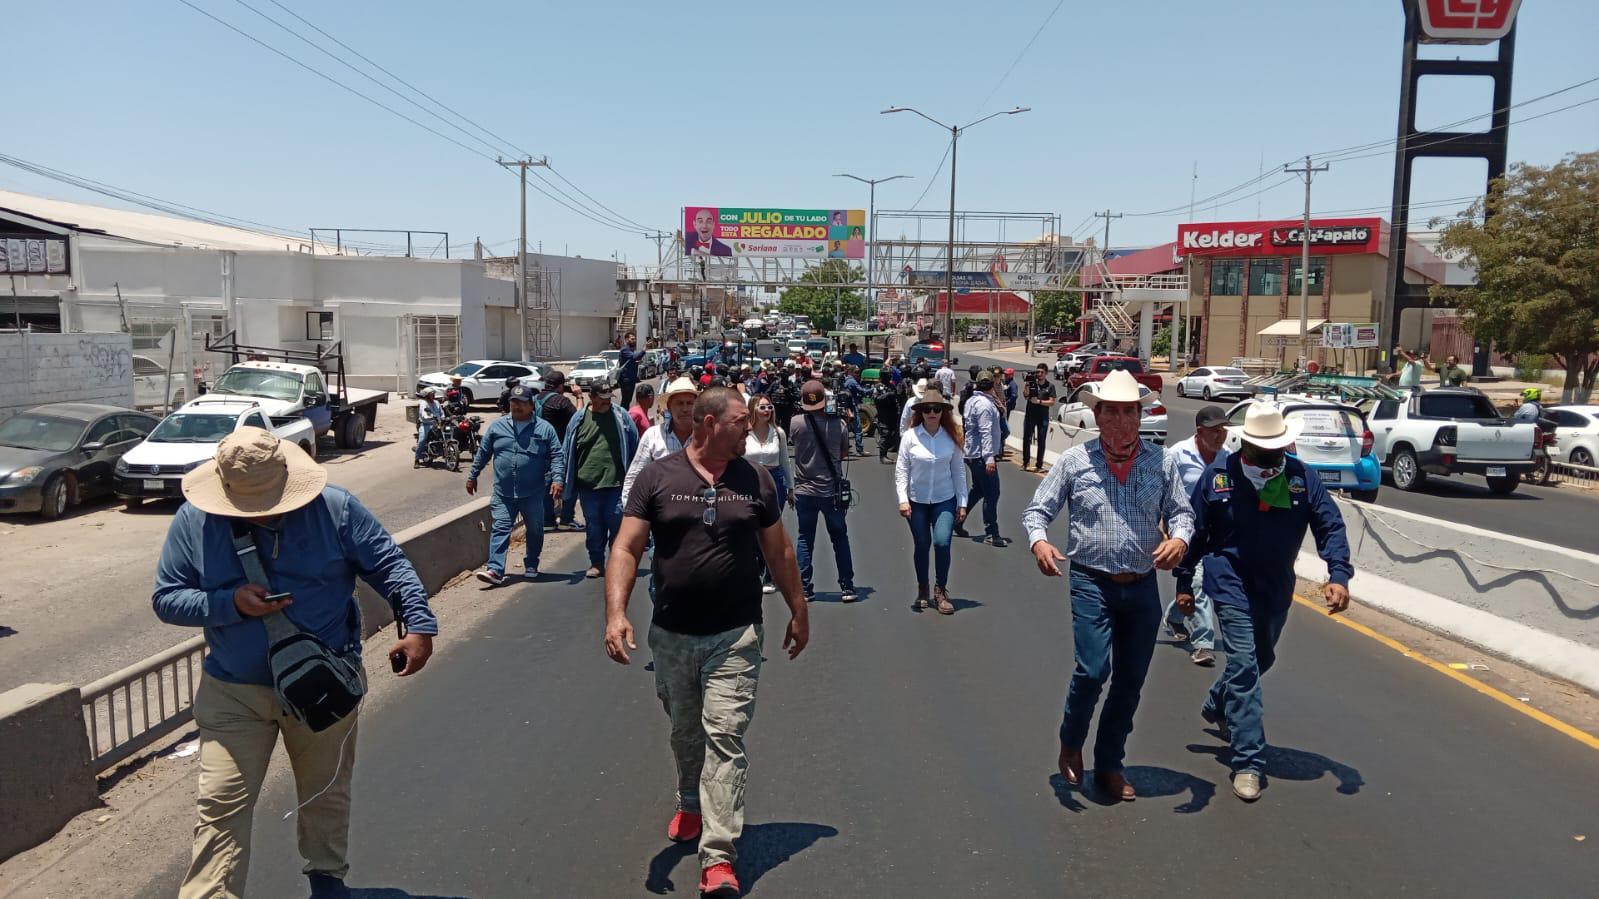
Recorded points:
(1040, 394)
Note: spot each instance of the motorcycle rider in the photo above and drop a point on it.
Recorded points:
(429, 415)
(505, 395)
(455, 397)
(1531, 408)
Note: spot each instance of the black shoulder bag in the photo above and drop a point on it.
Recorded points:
(843, 493)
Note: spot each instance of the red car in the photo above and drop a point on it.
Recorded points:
(1097, 368)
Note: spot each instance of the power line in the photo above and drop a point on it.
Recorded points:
(933, 177)
(1018, 59)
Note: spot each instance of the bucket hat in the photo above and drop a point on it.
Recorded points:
(252, 475)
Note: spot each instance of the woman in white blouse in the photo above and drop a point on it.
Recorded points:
(767, 445)
(930, 478)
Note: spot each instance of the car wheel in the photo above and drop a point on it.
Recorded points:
(1408, 475)
(1365, 496)
(1206, 392)
(1180, 392)
(1504, 486)
(55, 498)
(132, 503)
(1581, 456)
(310, 449)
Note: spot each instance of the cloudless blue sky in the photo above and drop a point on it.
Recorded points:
(652, 106)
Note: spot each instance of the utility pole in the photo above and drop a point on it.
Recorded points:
(1104, 257)
(660, 265)
(522, 165)
(1307, 171)
(1179, 346)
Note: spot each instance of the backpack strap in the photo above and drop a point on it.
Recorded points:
(278, 626)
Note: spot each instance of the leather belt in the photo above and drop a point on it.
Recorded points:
(1125, 577)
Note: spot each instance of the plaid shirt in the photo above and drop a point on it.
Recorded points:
(982, 427)
(1112, 526)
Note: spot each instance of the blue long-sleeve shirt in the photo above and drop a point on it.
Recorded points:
(527, 460)
(982, 427)
(627, 369)
(1249, 554)
(314, 553)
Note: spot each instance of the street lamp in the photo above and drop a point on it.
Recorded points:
(949, 262)
(871, 224)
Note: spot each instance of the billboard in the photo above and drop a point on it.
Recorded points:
(1349, 336)
(806, 233)
(984, 280)
(1466, 21)
(1281, 238)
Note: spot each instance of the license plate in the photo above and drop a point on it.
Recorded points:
(1497, 471)
(1332, 477)
(155, 485)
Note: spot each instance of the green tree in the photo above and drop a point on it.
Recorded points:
(822, 303)
(1160, 344)
(1056, 310)
(1537, 260)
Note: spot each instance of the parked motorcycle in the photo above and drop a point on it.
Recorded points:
(467, 430)
(441, 444)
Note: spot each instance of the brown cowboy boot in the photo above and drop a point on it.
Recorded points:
(1071, 764)
(921, 598)
(1115, 786)
(941, 601)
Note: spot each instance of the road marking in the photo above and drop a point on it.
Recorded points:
(1505, 699)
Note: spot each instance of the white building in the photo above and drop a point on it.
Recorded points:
(172, 282)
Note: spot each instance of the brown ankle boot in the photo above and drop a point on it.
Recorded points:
(921, 598)
(941, 601)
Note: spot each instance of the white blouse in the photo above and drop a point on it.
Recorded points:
(931, 468)
(771, 452)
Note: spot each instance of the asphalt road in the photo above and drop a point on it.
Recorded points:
(75, 594)
(914, 754)
(1563, 516)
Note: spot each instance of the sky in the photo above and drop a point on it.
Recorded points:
(649, 107)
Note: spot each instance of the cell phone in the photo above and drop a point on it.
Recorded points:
(276, 597)
(397, 661)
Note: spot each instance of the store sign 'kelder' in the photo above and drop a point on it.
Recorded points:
(1279, 238)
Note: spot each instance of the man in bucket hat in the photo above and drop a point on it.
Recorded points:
(313, 540)
(1117, 491)
(1251, 512)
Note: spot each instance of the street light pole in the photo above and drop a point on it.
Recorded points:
(871, 229)
(949, 261)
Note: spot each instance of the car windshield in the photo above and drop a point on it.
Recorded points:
(40, 432)
(1235, 372)
(1326, 422)
(279, 385)
(465, 369)
(592, 364)
(819, 344)
(195, 427)
(1457, 405)
(613, 355)
(926, 350)
(1131, 366)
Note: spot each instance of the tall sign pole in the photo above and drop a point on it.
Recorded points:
(522, 165)
(1307, 171)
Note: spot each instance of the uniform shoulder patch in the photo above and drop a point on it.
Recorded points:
(1296, 484)
(1221, 483)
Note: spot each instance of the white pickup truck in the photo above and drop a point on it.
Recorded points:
(1451, 431)
(288, 390)
(189, 436)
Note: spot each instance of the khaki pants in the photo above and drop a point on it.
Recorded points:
(707, 685)
(239, 726)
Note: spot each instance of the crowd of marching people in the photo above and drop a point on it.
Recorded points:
(696, 473)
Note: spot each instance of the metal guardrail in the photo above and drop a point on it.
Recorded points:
(127, 711)
(1571, 473)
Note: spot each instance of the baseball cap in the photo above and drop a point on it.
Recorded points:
(599, 386)
(985, 382)
(521, 392)
(813, 396)
(555, 379)
(1010, 371)
(1210, 417)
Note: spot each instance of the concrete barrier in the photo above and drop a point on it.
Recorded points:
(439, 549)
(1533, 602)
(47, 777)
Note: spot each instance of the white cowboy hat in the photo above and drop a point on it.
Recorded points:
(1118, 387)
(1265, 427)
(919, 388)
(254, 475)
(680, 385)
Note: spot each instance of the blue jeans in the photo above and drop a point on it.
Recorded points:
(568, 510)
(931, 527)
(781, 483)
(807, 508)
(602, 518)
(1249, 637)
(505, 511)
(855, 429)
(985, 487)
(1201, 626)
(1113, 637)
(1004, 429)
(423, 428)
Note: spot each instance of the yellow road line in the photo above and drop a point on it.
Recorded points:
(1544, 718)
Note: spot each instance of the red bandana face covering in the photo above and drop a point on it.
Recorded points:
(1122, 470)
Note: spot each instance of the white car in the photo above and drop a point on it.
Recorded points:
(188, 437)
(1214, 381)
(590, 369)
(1576, 434)
(482, 379)
(1076, 418)
(796, 345)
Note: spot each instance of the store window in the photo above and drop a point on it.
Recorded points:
(1227, 277)
(1265, 277)
(319, 326)
(1318, 272)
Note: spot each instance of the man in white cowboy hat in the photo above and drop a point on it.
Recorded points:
(1251, 512)
(667, 436)
(312, 540)
(1117, 491)
(909, 412)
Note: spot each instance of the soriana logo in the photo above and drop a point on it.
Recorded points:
(1467, 21)
(1283, 238)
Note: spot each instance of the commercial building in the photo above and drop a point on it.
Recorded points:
(172, 282)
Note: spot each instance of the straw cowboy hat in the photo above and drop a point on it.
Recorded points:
(1265, 427)
(679, 385)
(1118, 387)
(254, 475)
(931, 397)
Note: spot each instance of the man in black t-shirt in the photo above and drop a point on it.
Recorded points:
(1040, 396)
(714, 517)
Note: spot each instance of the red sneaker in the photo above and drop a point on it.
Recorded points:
(685, 827)
(718, 880)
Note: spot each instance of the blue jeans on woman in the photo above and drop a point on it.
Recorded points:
(1249, 637)
(931, 527)
(1113, 634)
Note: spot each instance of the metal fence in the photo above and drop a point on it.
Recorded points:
(127, 711)
(1567, 473)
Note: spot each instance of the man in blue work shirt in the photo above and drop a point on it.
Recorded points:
(528, 465)
(312, 541)
(854, 356)
(627, 368)
(1117, 492)
(1251, 512)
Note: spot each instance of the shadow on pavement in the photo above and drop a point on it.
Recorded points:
(391, 893)
(1292, 764)
(1150, 782)
(761, 848)
(7, 631)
